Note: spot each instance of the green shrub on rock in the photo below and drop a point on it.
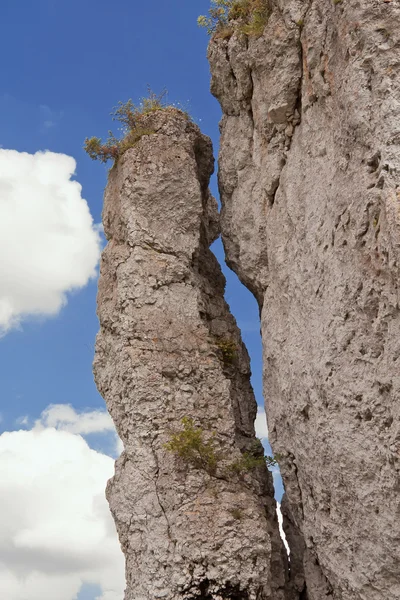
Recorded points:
(190, 446)
(249, 461)
(228, 350)
(134, 126)
(226, 16)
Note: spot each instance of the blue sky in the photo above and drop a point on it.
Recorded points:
(65, 65)
(69, 64)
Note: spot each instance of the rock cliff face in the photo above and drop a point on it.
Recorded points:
(310, 185)
(169, 349)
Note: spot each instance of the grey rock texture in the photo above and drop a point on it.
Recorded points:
(310, 185)
(185, 533)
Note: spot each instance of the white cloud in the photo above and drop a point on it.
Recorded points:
(64, 417)
(260, 424)
(119, 446)
(56, 531)
(48, 243)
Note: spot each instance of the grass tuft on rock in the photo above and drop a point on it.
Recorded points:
(248, 17)
(190, 445)
(135, 125)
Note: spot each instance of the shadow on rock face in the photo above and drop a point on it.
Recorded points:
(208, 591)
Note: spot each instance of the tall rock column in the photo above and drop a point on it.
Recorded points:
(310, 186)
(169, 350)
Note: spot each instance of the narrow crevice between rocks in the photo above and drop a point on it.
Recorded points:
(243, 306)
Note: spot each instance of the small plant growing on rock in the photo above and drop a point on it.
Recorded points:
(190, 445)
(226, 16)
(256, 17)
(218, 17)
(248, 462)
(253, 459)
(228, 350)
(134, 127)
(236, 513)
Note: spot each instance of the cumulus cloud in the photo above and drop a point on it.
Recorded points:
(64, 417)
(48, 242)
(56, 531)
(260, 424)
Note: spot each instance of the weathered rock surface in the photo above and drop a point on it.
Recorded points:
(185, 533)
(310, 185)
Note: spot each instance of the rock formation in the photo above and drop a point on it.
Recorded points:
(310, 186)
(168, 349)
